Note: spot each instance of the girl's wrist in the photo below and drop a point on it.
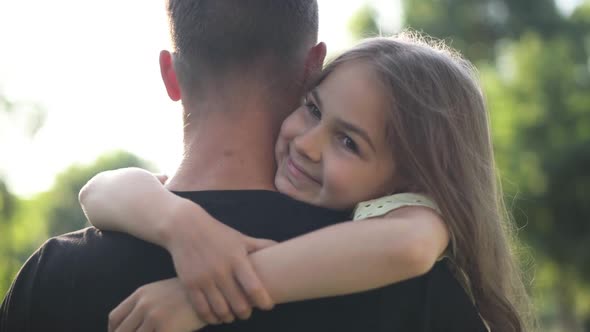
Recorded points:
(182, 214)
(170, 217)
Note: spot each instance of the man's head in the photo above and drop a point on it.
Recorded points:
(267, 40)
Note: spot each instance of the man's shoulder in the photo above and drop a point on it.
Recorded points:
(91, 238)
(79, 242)
(91, 243)
(74, 280)
(91, 252)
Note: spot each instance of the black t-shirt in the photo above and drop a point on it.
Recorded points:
(73, 281)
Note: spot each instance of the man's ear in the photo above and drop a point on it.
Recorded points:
(314, 61)
(169, 75)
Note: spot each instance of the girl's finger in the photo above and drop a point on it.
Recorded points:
(253, 244)
(218, 304)
(234, 294)
(202, 307)
(146, 327)
(132, 321)
(117, 315)
(252, 286)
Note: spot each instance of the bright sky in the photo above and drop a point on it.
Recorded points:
(92, 65)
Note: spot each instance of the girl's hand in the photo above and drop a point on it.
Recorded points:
(160, 306)
(212, 263)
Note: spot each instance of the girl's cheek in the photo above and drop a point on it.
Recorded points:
(347, 183)
(337, 180)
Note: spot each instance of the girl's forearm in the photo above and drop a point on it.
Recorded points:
(351, 257)
(131, 201)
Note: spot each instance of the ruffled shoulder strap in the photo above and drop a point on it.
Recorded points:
(383, 205)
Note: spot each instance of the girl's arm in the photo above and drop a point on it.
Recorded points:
(353, 256)
(129, 200)
(213, 258)
(350, 256)
(341, 259)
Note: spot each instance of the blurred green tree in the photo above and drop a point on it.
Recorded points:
(474, 27)
(541, 120)
(363, 23)
(51, 213)
(6, 197)
(64, 213)
(6, 203)
(7, 208)
(34, 117)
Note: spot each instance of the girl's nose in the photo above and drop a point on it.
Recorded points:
(309, 144)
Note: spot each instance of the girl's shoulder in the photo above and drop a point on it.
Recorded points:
(383, 205)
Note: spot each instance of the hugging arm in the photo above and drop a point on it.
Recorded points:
(341, 259)
(211, 258)
(337, 260)
(353, 256)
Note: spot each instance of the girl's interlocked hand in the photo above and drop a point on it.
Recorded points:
(211, 260)
(161, 306)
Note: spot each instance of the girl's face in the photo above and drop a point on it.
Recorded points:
(332, 151)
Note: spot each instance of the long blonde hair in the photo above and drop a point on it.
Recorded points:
(440, 136)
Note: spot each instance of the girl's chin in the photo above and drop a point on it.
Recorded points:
(285, 187)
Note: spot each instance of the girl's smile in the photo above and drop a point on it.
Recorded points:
(299, 173)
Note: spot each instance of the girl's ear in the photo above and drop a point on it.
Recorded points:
(169, 75)
(314, 61)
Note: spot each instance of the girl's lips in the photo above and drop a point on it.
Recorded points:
(299, 172)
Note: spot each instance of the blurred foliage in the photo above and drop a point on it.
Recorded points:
(535, 70)
(542, 111)
(363, 23)
(542, 106)
(475, 26)
(26, 223)
(9, 207)
(6, 202)
(64, 213)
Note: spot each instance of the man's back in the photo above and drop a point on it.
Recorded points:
(73, 281)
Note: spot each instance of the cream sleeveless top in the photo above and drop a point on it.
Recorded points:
(383, 205)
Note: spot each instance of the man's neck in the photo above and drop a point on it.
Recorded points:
(228, 149)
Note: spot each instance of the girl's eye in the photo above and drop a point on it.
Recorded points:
(350, 144)
(313, 109)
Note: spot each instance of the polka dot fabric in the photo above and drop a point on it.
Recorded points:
(381, 206)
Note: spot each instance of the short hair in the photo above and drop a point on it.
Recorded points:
(220, 35)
